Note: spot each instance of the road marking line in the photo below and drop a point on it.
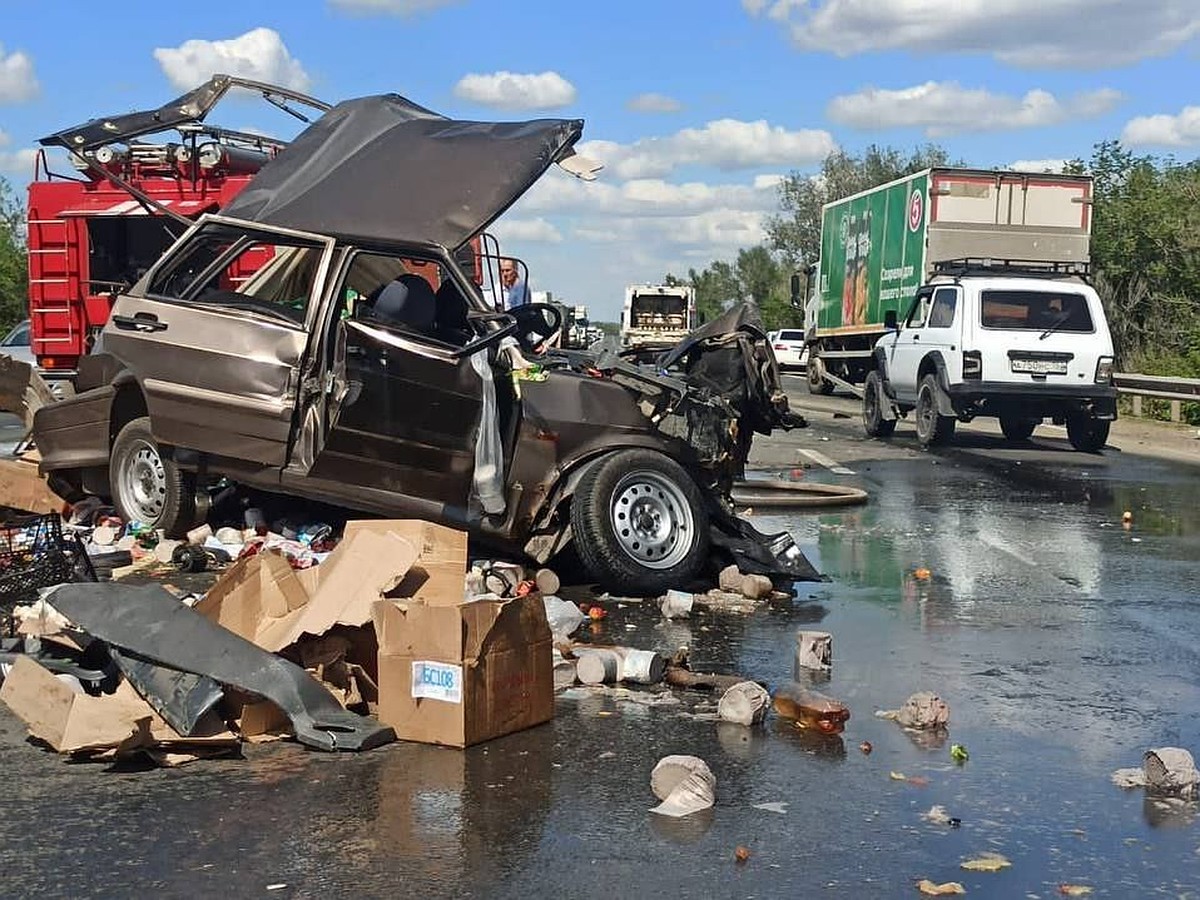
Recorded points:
(822, 460)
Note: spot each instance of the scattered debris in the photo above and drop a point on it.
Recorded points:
(744, 703)
(814, 650)
(676, 604)
(810, 709)
(923, 710)
(931, 889)
(959, 753)
(778, 807)
(1074, 890)
(684, 784)
(866, 747)
(986, 862)
(1167, 771)
(741, 854)
(938, 816)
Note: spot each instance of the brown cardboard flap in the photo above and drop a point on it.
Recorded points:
(71, 722)
(264, 601)
(439, 575)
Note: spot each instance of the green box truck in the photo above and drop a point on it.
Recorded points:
(878, 247)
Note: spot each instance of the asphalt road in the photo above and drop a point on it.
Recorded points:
(1064, 644)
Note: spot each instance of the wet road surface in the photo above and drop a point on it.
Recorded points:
(1064, 644)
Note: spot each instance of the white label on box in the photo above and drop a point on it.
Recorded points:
(437, 681)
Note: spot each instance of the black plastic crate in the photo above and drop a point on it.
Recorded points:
(36, 554)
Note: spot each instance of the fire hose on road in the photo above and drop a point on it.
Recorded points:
(796, 495)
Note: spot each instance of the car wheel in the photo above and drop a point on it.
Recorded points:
(816, 378)
(1017, 429)
(1087, 434)
(147, 486)
(639, 522)
(874, 424)
(932, 428)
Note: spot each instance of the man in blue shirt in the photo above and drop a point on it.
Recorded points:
(513, 290)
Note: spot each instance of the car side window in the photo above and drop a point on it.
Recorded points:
(241, 269)
(945, 302)
(415, 296)
(920, 310)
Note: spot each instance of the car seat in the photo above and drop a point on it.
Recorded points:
(451, 322)
(408, 302)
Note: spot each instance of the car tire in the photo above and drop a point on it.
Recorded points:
(932, 427)
(1086, 433)
(816, 378)
(639, 523)
(1016, 428)
(874, 424)
(147, 486)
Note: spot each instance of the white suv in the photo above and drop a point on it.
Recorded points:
(1021, 349)
(788, 345)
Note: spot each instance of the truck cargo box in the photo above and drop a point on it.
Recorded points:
(878, 246)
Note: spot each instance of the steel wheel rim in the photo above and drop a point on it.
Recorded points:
(142, 482)
(925, 412)
(870, 406)
(651, 520)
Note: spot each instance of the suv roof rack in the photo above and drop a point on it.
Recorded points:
(1031, 267)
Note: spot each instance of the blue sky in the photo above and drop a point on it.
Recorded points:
(696, 108)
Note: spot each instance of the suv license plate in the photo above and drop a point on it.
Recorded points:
(1040, 366)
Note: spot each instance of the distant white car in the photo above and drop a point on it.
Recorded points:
(16, 344)
(790, 352)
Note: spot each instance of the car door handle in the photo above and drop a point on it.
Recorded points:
(140, 322)
(916, 337)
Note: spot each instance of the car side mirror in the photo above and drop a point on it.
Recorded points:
(890, 322)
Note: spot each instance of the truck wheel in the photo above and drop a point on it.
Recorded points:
(147, 486)
(874, 424)
(932, 428)
(816, 377)
(1087, 434)
(640, 525)
(1017, 429)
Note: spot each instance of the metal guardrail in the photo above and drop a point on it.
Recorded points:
(1177, 390)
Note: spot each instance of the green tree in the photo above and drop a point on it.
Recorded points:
(796, 232)
(14, 278)
(1146, 256)
(716, 289)
(757, 274)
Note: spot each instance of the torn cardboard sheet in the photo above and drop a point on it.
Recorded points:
(122, 721)
(264, 601)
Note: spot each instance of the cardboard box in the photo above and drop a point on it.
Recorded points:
(459, 673)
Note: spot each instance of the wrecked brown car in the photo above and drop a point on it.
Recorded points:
(362, 366)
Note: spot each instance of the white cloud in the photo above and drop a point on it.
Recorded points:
(1030, 33)
(16, 165)
(943, 108)
(259, 54)
(391, 7)
(653, 103)
(727, 144)
(647, 197)
(1038, 166)
(1182, 130)
(533, 230)
(511, 90)
(17, 80)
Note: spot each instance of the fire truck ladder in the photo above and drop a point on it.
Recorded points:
(49, 285)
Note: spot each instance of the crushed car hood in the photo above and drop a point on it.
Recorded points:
(385, 169)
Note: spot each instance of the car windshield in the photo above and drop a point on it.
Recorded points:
(1036, 311)
(791, 335)
(18, 337)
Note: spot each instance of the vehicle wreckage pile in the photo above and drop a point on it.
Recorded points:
(386, 632)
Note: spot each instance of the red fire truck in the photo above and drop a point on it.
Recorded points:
(94, 231)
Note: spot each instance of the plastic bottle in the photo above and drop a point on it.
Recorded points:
(810, 709)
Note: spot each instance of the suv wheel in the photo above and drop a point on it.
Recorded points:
(932, 428)
(1017, 429)
(147, 486)
(1087, 434)
(639, 523)
(874, 424)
